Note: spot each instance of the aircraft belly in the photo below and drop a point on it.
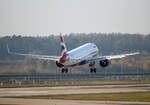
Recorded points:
(72, 62)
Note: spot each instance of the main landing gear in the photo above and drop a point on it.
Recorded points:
(92, 67)
(64, 70)
(93, 70)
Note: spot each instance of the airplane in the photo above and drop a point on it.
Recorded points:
(84, 54)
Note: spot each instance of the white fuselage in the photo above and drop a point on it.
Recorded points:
(77, 55)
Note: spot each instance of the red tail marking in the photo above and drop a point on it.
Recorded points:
(61, 39)
(62, 59)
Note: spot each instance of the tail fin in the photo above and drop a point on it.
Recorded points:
(63, 46)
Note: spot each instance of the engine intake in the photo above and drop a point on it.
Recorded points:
(59, 64)
(104, 63)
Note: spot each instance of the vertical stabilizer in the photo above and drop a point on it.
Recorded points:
(62, 58)
(63, 46)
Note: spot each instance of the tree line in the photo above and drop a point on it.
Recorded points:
(108, 44)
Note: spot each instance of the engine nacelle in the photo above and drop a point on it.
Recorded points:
(104, 63)
(59, 64)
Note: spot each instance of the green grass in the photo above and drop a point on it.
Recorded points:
(132, 96)
(71, 84)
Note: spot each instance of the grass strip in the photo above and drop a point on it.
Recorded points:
(72, 84)
(130, 96)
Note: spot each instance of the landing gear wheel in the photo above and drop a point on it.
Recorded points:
(91, 70)
(92, 67)
(94, 70)
(66, 70)
(63, 70)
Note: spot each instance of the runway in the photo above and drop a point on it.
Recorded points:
(69, 90)
(15, 101)
(73, 90)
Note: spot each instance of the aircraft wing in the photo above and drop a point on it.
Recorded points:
(121, 56)
(99, 58)
(53, 58)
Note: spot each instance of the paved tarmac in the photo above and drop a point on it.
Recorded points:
(69, 90)
(15, 101)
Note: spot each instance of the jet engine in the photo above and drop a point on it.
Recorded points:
(59, 64)
(104, 63)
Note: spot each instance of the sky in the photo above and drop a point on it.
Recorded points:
(45, 17)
